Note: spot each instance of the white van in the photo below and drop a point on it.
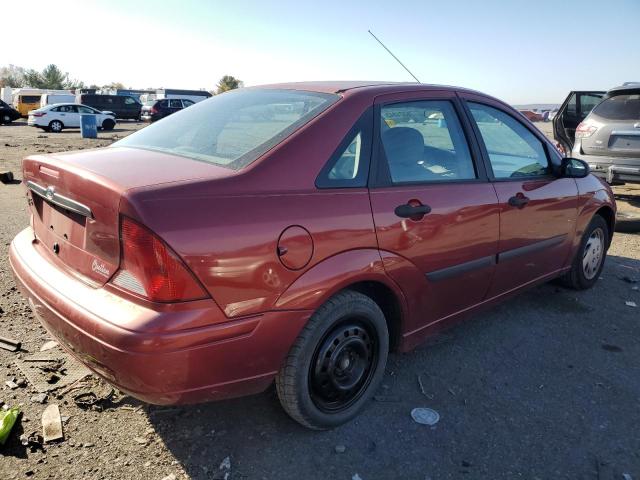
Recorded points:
(51, 98)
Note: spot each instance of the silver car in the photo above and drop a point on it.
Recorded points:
(608, 139)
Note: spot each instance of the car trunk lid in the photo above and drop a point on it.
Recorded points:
(614, 139)
(74, 199)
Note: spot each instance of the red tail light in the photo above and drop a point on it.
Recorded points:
(154, 110)
(38, 114)
(149, 268)
(585, 130)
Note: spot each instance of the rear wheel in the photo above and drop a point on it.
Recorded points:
(336, 363)
(6, 119)
(589, 260)
(108, 124)
(56, 126)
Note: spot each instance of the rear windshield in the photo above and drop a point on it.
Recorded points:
(620, 107)
(232, 129)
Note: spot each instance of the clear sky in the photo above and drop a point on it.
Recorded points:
(523, 51)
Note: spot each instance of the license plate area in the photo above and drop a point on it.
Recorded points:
(625, 142)
(64, 224)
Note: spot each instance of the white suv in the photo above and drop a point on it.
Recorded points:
(53, 118)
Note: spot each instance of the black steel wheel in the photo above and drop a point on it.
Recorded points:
(336, 363)
(342, 366)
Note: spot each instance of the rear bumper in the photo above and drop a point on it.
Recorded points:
(612, 169)
(142, 350)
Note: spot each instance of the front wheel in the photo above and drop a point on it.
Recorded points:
(337, 362)
(589, 261)
(6, 119)
(108, 124)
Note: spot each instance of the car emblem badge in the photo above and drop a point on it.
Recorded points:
(100, 268)
(51, 191)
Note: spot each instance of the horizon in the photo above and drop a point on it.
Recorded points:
(508, 50)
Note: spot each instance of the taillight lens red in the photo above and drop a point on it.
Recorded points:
(154, 110)
(39, 114)
(149, 268)
(585, 130)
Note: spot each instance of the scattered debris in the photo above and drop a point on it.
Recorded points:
(140, 440)
(628, 279)
(8, 419)
(224, 470)
(340, 448)
(48, 345)
(171, 476)
(34, 441)
(10, 344)
(6, 177)
(39, 398)
(425, 416)
(630, 303)
(422, 390)
(611, 348)
(11, 384)
(636, 288)
(50, 370)
(356, 477)
(51, 423)
(626, 476)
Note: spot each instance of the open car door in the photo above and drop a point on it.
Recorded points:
(574, 109)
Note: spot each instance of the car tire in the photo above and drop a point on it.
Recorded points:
(589, 260)
(55, 126)
(341, 352)
(108, 125)
(6, 119)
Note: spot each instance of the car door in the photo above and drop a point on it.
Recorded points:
(68, 115)
(537, 209)
(84, 110)
(574, 109)
(175, 105)
(432, 204)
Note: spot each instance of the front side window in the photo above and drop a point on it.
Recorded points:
(175, 104)
(129, 101)
(232, 129)
(620, 107)
(424, 142)
(513, 150)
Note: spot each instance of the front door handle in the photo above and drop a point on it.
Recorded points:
(407, 210)
(518, 200)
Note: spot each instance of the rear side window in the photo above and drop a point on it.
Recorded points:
(619, 107)
(30, 98)
(232, 129)
(129, 101)
(424, 142)
(513, 150)
(175, 104)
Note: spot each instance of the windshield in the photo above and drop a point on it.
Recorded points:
(232, 129)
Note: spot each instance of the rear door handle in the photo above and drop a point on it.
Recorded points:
(518, 200)
(408, 210)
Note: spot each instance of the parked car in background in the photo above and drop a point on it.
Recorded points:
(24, 103)
(531, 115)
(55, 118)
(154, 110)
(123, 106)
(51, 98)
(551, 115)
(573, 110)
(7, 113)
(608, 139)
(193, 95)
(290, 232)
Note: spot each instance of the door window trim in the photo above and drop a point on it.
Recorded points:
(380, 176)
(485, 154)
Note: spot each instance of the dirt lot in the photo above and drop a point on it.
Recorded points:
(544, 386)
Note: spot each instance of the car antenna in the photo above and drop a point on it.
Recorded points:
(391, 53)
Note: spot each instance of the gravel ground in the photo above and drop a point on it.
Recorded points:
(544, 386)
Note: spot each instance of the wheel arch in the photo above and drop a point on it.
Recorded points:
(609, 216)
(359, 270)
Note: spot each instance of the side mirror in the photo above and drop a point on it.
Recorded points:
(574, 168)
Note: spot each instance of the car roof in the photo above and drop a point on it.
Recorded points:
(627, 87)
(373, 87)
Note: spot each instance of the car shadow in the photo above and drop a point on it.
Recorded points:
(552, 363)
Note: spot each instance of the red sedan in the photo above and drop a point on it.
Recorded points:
(299, 232)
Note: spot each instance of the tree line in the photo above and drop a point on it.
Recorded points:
(52, 77)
